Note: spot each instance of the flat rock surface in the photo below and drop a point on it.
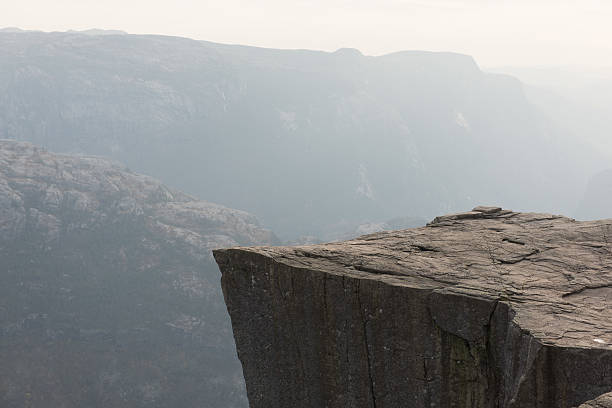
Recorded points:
(554, 271)
(605, 401)
(487, 308)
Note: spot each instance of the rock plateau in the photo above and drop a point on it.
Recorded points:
(488, 308)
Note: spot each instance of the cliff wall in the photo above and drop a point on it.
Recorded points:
(488, 308)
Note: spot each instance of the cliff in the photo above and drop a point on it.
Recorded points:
(489, 308)
(109, 295)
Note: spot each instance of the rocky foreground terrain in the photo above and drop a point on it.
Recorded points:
(109, 296)
(489, 308)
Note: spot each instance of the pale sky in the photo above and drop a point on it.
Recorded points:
(518, 32)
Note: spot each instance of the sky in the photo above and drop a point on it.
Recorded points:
(496, 33)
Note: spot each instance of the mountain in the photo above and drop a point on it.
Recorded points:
(579, 103)
(109, 296)
(578, 100)
(305, 140)
(597, 197)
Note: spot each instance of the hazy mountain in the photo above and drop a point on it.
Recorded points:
(579, 103)
(305, 140)
(578, 100)
(109, 296)
(597, 197)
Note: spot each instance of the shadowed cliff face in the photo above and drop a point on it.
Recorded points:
(488, 308)
(109, 296)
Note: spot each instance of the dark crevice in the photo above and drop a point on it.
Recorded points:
(513, 241)
(364, 321)
(347, 338)
(587, 287)
(491, 369)
(362, 268)
(425, 248)
(325, 296)
(519, 259)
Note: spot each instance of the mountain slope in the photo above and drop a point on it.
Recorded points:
(579, 102)
(305, 140)
(597, 197)
(108, 293)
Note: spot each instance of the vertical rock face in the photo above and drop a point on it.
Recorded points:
(488, 308)
(109, 296)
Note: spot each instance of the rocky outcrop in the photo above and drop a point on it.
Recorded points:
(605, 401)
(489, 308)
(109, 296)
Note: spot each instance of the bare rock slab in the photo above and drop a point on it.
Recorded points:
(604, 401)
(488, 308)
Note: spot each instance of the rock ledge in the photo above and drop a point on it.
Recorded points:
(488, 308)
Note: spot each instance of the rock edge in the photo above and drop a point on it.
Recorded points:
(488, 308)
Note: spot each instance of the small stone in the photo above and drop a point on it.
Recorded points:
(487, 210)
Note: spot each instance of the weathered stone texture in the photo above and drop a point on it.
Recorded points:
(488, 308)
(604, 401)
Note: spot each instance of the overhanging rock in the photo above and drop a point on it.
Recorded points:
(489, 308)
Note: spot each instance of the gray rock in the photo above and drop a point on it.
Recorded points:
(604, 401)
(489, 308)
(109, 296)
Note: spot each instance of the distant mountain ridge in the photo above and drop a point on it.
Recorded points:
(305, 140)
(91, 31)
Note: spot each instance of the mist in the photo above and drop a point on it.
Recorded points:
(496, 33)
(138, 137)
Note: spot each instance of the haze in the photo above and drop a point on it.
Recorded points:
(127, 159)
(496, 33)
